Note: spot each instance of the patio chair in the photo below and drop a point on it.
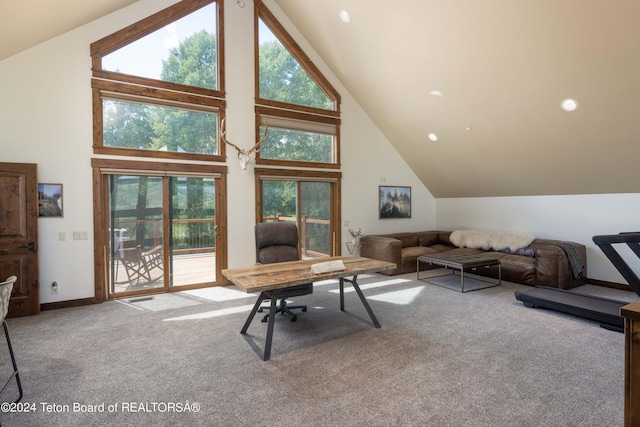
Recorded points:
(139, 264)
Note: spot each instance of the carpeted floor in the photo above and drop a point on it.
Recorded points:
(441, 358)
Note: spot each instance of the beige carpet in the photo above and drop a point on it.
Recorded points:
(441, 358)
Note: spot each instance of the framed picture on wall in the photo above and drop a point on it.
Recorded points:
(394, 202)
(50, 200)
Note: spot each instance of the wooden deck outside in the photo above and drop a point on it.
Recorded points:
(188, 269)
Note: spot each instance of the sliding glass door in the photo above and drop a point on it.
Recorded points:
(193, 230)
(308, 201)
(136, 232)
(162, 232)
(315, 218)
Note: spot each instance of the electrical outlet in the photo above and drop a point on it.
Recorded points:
(80, 235)
(62, 236)
(54, 287)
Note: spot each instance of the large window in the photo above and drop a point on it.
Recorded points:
(295, 103)
(183, 51)
(158, 85)
(158, 128)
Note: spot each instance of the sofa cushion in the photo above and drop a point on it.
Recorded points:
(416, 251)
(468, 251)
(428, 238)
(487, 240)
(442, 247)
(407, 239)
(519, 269)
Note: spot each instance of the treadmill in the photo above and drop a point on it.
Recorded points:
(603, 310)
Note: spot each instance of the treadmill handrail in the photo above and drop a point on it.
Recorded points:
(606, 242)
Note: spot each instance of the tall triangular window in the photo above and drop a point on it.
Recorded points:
(297, 108)
(282, 78)
(183, 51)
(158, 85)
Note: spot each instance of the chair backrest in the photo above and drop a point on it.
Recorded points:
(5, 295)
(276, 242)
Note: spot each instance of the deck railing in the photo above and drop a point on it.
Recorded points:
(189, 235)
(199, 235)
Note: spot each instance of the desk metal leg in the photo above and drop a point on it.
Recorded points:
(261, 298)
(272, 320)
(354, 282)
(341, 294)
(272, 316)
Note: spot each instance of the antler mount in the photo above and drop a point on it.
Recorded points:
(243, 154)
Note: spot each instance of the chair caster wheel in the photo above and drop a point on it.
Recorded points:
(264, 319)
(294, 319)
(304, 309)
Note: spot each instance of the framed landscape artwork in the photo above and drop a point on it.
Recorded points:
(394, 202)
(50, 200)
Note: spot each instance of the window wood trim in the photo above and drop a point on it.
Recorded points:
(160, 167)
(261, 12)
(157, 92)
(334, 178)
(291, 110)
(101, 209)
(148, 25)
(128, 80)
(156, 96)
(297, 115)
(132, 152)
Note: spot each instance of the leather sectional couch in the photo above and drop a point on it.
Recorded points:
(553, 263)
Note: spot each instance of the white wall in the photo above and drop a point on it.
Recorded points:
(45, 118)
(574, 218)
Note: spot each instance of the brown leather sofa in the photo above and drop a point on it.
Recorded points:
(554, 263)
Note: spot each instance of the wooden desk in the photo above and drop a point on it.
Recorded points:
(270, 279)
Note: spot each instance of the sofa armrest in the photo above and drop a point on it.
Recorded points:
(553, 268)
(382, 248)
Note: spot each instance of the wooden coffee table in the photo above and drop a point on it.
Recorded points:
(463, 263)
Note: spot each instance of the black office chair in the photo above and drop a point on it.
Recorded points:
(278, 242)
(5, 294)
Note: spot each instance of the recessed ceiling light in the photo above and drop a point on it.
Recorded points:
(344, 16)
(569, 104)
(432, 136)
(435, 93)
(467, 128)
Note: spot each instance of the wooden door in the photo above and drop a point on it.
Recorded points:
(19, 235)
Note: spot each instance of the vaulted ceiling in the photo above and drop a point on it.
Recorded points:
(486, 76)
(26, 23)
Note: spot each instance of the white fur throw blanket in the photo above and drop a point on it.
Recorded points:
(496, 240)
